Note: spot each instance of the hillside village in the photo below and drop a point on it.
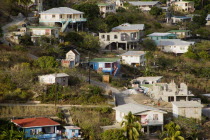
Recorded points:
(105, 70)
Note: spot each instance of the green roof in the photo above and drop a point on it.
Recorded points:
(104, 60)
(179, 31)
(103, 4)
(43, 27)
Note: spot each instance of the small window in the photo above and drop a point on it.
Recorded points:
(61, 16)
(53, 16)
(115, 36)
(102, 36)
(107, 65)
(155, 116)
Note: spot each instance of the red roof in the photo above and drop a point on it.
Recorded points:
(34, 122)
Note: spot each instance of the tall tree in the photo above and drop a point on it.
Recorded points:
(131, 126)
(172, 132)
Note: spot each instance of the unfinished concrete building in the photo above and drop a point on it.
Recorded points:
(170, 92)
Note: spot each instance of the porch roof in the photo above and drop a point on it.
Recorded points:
(136, 108)
(104, 60)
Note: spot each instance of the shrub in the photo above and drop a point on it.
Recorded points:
(113, 134)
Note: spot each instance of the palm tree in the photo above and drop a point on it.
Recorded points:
(172, 132)
(131, 126)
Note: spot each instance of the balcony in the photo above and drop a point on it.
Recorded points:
(61, 20)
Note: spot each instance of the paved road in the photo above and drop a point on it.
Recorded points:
(119, 96)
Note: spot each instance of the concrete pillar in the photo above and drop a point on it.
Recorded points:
(133, 45)
(129, 46)
(147, 129)
(117, 46)
(175, 98)
(186, 98)
(162, 127)
(126, 46)
(82, 26)
(77, 27)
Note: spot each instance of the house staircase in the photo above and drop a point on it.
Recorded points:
(63, 28)
(115, 71)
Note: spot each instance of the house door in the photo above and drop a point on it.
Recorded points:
(170, 98)
(71, 64)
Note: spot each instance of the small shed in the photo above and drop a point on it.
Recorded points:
(72, 132)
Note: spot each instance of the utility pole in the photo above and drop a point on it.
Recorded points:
(89, 65)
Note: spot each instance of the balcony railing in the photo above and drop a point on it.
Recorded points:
(63, 20)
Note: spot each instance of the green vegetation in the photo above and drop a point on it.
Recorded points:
(113, 134)
(172, 132)
(131, 127)
(91, 120)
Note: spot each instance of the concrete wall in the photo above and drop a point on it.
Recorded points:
(175, 49)
(188, 112)
(134, 59)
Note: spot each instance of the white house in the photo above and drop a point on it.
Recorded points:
(176, 46)
(184, 6)
(38, 4)
(145, 5)
(178, 19)
(57, 78)
(181, 33)
(149, 117)
(208, 19)
(136, 58)
(72, 58)
(119, 3)
(37, 31)
(188, 109)
(62, 16)
(107, 8)
(125, 36)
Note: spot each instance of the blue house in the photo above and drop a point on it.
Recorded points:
(158, 36)
(40, 128)
(106, 65)
(72, 132)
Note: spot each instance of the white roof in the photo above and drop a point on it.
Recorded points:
(127, 26)
(133, 53)
(206, 95)
(139, 3)
(171, 42)
(61, 10)
(135, 108)
(160, 34)
(208, 17)
(149, 78)
(56, 75)
(187, 104)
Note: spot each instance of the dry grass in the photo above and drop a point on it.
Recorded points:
(26, 111)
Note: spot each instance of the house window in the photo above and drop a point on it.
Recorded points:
(155, 116)
(102, 36)
(61, 16)
(34, 132)
(115, 36)
(53, 16)
(107, 65)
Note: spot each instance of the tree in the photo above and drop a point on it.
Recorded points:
(191, 128)
(172, 132)
(191, 53)
(156, 11)
(26, 40)
(90, 42)
(46, 62)
(200, 20)
(74, 38)
(113, 134)
(131, 127)
(91, 10)
(1, 32)
(149, 45)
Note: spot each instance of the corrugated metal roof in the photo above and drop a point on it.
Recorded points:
(139, 3)
(170, 42)
(57, 75)
(187, 104)
(43, 27)
(178, 31)
(135, 108)
(133, 53)
(104, 60)
(61, 10)
(161, 34)
(127, 26)
(149, 78)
